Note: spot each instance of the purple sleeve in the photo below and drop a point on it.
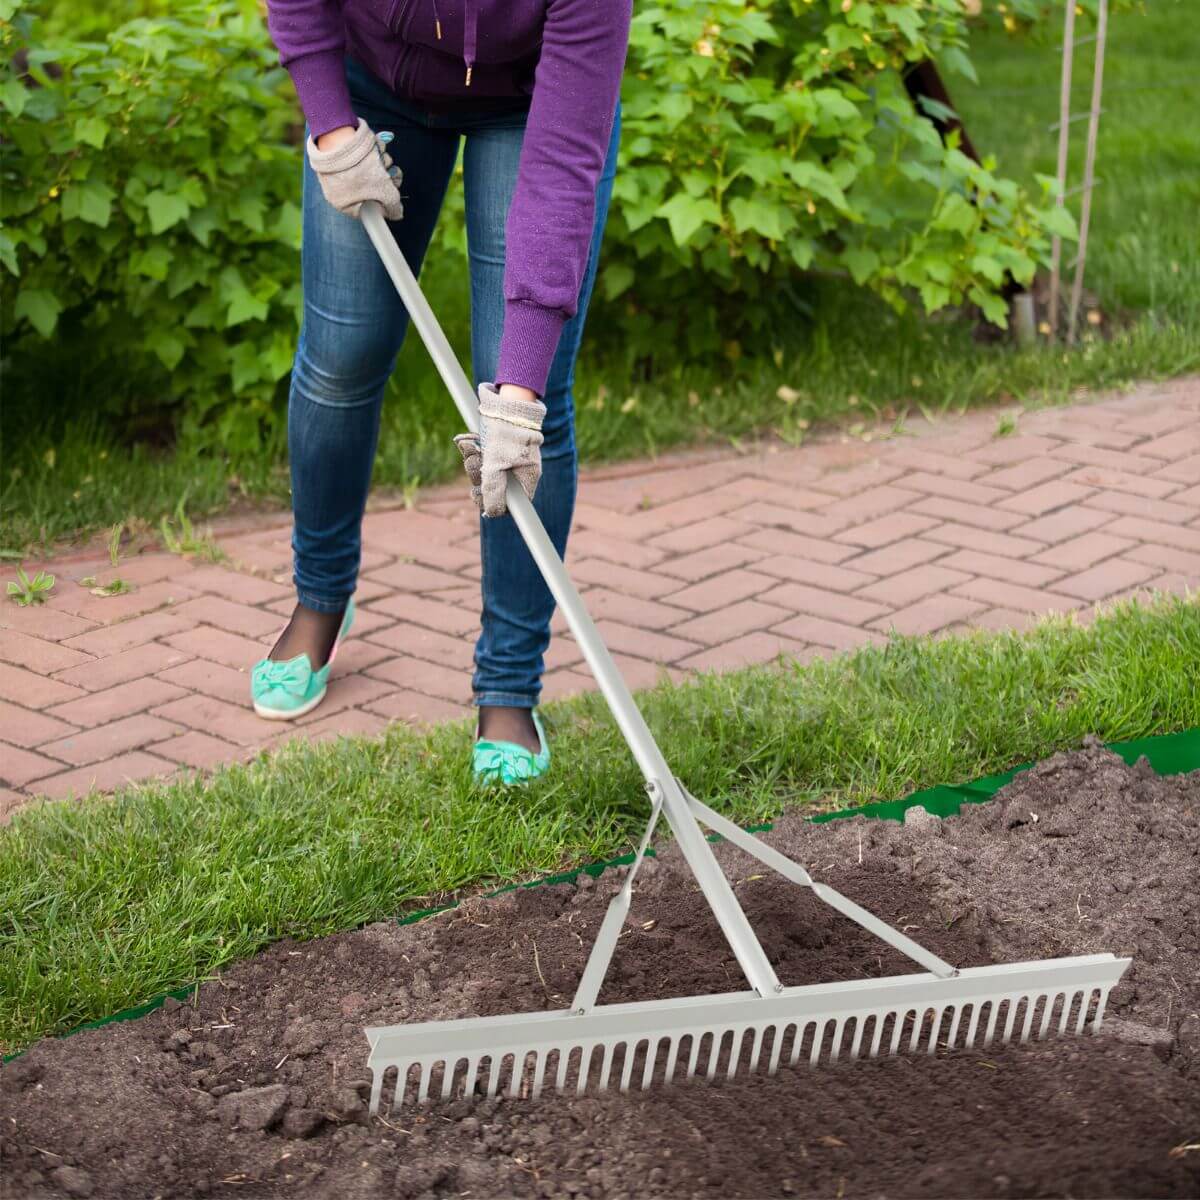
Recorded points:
(311, 43)
(549, 226)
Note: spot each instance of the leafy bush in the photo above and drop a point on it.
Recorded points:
(761, 141)
(151, 187)
(150, 210)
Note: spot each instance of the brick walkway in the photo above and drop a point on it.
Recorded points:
(692, 563)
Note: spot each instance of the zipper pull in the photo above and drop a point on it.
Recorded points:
(468, 75)
(437, 25)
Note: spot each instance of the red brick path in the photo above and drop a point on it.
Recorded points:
(688, 564)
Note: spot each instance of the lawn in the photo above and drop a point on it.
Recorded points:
(107, 904)
(849, 357)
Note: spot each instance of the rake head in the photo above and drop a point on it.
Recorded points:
(657, 1042)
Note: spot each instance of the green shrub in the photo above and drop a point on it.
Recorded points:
(150, 211)
(151, 186)
(762, 141)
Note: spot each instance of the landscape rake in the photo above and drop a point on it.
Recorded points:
(589, 1047)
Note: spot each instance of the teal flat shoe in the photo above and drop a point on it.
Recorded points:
(283, 691)
(507, 763)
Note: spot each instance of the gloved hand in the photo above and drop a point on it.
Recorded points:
(356, 170)
(509, 439)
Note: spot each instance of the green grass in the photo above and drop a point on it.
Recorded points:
(850, 358)
(107, 904)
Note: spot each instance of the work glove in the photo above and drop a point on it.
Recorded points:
(509, 439)
(358, 170)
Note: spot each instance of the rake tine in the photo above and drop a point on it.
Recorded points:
(914, 1038)
(652, 1049)
(1085, 1002)
(627, 1065)
(777, 1034)
(1099, 1012)
(954, 1023)
(993, 1016)
(755, 1049)
(672, 1054)
(693, 1056)
(606, 1066)
(1027, 1026)
(585, 1065)
(839, 1033)
(856, 1044)
(539, 1070)
(818, 1040)
(933, 1031)
(1047, 1013)
(1010, 1019)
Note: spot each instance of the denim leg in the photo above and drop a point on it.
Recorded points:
(517, 605)
(352, 329)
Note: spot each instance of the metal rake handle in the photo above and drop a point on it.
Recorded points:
(649, 757)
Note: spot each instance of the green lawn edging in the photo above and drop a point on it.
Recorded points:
(1168, 754)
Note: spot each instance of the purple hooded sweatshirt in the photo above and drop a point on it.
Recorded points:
(568, 55)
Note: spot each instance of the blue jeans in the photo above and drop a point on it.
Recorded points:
(353, 326)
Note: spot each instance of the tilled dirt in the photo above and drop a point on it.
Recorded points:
(258, 1090)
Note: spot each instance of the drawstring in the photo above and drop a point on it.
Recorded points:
(469, 33)
(469, 20)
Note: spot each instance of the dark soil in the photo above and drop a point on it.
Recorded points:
(258, 1090)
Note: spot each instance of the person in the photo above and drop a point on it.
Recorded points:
(530, 88)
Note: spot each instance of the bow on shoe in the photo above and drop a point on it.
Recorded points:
(506, 763)
(292, 675)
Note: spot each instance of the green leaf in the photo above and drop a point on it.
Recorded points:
(618, 277)
(168, 346)
(957, 214)
(241, 304)
(279, 355)
(40, 308)
(802, 251)
(994, 309)
(957, 63)
(862, 261)
(834, 104)
(674, 107)
(685, 214)
(165, 209)
(247, 365)
(759, 216)
(8, 254)
(1058, 221)
(288, 224)
(152, 261)
(989, 268)
(934, 296)
(13, 95)
(89, 201)
(250, 209)
(92, 131)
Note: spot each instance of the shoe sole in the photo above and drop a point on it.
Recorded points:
(278, 714)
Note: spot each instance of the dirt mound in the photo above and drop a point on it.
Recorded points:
(258, 1090)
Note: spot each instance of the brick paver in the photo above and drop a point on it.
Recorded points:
(700, 562)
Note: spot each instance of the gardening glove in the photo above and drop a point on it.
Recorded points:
(358, 170)
(509, 439)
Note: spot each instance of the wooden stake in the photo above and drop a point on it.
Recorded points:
(1089, 169)
(1064, 134)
